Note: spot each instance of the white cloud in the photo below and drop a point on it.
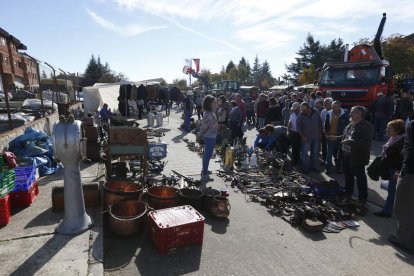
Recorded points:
(126, 31)
(267, 24)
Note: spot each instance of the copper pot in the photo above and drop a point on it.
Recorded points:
(220, 207)
(127, 217)
(208, 198)
(191, 197)
(160, 197)
(117, 190)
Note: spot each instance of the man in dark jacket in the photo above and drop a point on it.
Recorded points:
(335, 122)
(404, 197)
(356, 146)
(382, 115)
(404, 107)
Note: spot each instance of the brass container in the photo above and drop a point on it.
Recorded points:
(117, 190)
(91, 196)
(128, 217)
(160, 197)
(229, 157)
(208, 198)
(220, 207)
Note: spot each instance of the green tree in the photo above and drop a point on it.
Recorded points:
(308, 75)
(230, 65)
(43, 75)
(399, 51)
(266, 78)
(316, 53)
(256, 72)
(181, 84)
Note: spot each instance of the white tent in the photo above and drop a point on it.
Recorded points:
(95, 96)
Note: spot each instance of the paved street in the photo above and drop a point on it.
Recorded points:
(253, 242)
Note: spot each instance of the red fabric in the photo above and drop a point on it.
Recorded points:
(10, 159)
(243, 108)
(197, 64)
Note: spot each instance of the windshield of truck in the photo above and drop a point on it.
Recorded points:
(349, 77)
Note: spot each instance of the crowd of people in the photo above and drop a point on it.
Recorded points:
(314, 131)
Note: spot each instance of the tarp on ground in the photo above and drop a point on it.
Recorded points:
(34, 147)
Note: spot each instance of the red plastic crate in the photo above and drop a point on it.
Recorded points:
(24, 199)
(175, 227)
(4, 210)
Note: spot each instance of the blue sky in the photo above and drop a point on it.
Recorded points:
(151, 38)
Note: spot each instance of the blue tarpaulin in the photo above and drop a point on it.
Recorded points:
(35, 147)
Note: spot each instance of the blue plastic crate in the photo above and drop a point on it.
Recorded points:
(25, 177)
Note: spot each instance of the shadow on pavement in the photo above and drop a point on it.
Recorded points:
(179, 138)
(47, 217)
(218, 225)
(181, 261)
(43, 255)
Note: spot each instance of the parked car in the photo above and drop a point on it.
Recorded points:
(22, 95)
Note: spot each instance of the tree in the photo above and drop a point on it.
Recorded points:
(98, 72)
(181, 84)
(256, 72)
(230, 65)
(308, 75)
(43, 76)
(266, 78)
(313, 52)
(399, 51)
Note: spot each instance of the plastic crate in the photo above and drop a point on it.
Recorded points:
(7, 182)
(157, 150)
(175, 227)
(24, 199)
(4, 210)
(25, 176)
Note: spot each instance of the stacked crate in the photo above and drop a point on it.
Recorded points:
(25, 187)
(7, 179)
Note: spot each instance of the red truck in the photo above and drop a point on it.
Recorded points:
(362, 77)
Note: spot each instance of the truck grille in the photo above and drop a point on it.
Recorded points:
(349, 94)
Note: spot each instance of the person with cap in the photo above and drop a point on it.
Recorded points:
(292, 132)
(188, 105)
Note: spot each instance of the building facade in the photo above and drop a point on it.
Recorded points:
(16, 69)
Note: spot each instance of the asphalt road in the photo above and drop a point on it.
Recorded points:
(253, 242)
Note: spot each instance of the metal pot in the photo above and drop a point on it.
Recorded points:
(117, 190)
(220, 207)
(208, 197)
(127, 217)
(191, 197)
(160, 197)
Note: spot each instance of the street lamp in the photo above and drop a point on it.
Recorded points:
(38, 80)
(54, 85)
(66, 81)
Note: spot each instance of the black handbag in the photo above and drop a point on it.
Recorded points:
(375, 169)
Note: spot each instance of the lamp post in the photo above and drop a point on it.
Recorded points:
(38, 80)
(66, 81)
(54, 85)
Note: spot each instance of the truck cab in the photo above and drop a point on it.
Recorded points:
(362, 77)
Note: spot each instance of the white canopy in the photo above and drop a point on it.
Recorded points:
(95, 96)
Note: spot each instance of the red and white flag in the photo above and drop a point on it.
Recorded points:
(187, 69)
(197, 64)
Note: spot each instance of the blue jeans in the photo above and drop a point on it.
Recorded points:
(309, 162)
(389, 202)
(352, 172)
(209, 144)
(187, 119)
(261, 122)
(332, 151)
